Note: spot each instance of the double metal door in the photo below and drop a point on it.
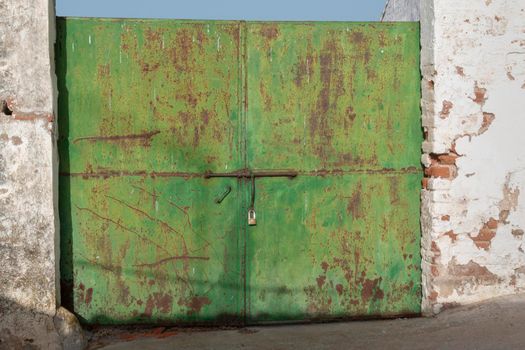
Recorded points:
(229, 172)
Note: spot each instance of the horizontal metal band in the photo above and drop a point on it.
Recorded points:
(243, 173)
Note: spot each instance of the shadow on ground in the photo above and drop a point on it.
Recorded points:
(496, 324)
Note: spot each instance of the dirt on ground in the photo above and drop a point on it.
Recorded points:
(496, 324)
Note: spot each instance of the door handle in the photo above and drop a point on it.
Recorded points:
(220, 198)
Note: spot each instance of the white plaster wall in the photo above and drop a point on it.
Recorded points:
(473, 65)
(401, 10)
(28, 220)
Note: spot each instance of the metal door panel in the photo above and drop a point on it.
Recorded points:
(145, 107)
(334, 247)
(150, 250)
(333, 96)
(147, 238)
(149, 95)
(339, 104)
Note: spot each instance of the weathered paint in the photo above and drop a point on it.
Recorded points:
(473, 209)
(28, 162)
(144, 123)
(144, 106)
(339, 103)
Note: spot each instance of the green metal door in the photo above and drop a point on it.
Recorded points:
(339, 104)
(170, 131)
(146, 107)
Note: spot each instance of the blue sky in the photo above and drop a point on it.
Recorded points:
(314, 10)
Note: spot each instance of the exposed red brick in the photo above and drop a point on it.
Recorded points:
(472, 273)
(453, 236)
(482, 245)
(435, 249)
(503, 215)
(441, 165)
(488, 118)
(445, 218)
(443, 171)
(424, 183)
(492, 224)
(479, 94)
(433, 296)
(448, 159)
(486, 234)
(445, 111)
(484, 238)
(32, 117)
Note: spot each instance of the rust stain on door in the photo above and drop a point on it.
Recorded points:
(149, 110)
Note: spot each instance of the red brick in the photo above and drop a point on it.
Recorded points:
(445, 111)
(438, 171)
(486, 234)
(453, 236)
(492, 224)
(449, 159)
(482, 244)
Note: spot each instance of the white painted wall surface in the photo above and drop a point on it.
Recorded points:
(28, 215)
(473, 65)
(401, 10)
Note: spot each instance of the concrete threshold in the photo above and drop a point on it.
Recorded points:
(495, 324)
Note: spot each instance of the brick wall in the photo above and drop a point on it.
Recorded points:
(473, 211)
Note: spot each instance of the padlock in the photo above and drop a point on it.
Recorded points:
(251, 217)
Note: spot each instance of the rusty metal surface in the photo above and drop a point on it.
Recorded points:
(157, 116)
(338, 102)
(247, 173)
(145, 106)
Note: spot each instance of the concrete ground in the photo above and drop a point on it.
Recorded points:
(492, 325)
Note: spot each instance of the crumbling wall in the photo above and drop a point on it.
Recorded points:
(28, 222)
(473, 202)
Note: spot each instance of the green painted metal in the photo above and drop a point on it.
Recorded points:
(144, 105)
(148, 107)
(339, 103)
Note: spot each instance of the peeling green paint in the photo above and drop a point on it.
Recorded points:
(147, 107)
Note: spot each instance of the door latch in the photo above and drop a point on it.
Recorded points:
(252, 221)
(220, 198)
